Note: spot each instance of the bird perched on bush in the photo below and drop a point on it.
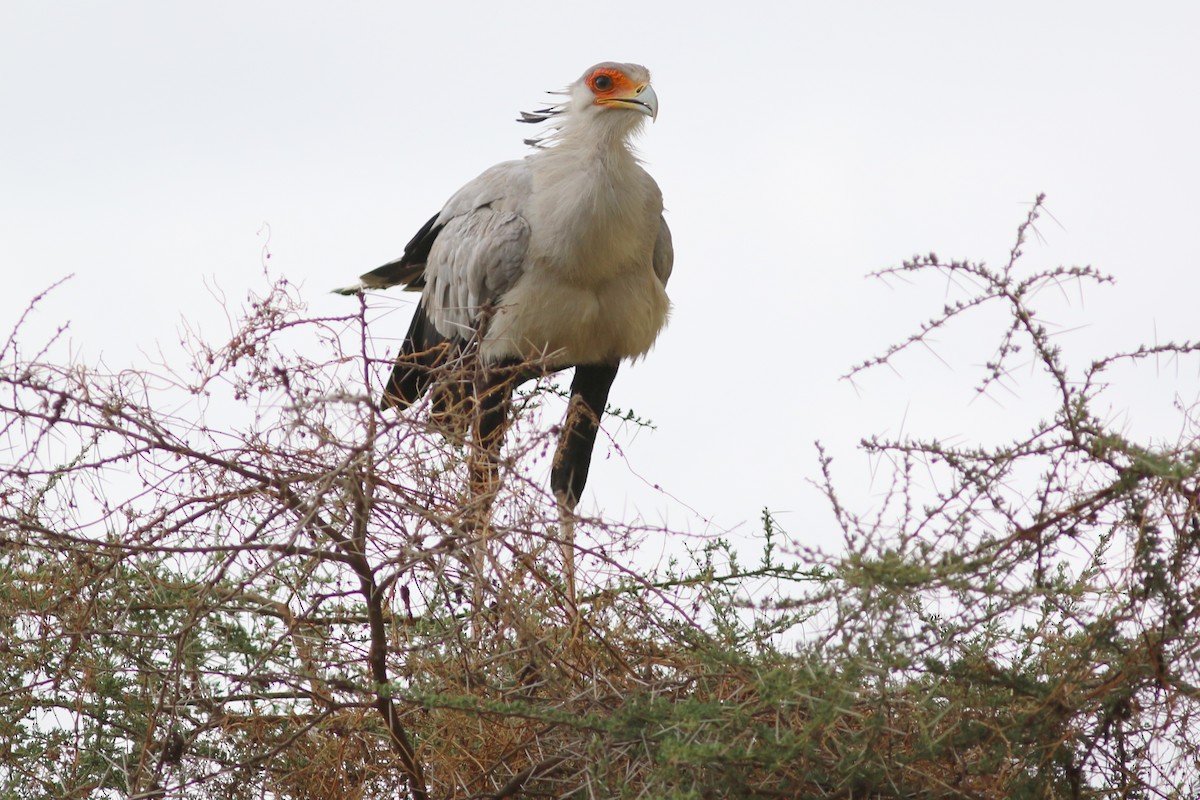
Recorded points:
(557, 260)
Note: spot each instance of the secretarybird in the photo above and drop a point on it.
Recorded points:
(557, 260)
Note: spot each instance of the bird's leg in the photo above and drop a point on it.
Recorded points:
(493, 400)
(566, 541)
(568, 475)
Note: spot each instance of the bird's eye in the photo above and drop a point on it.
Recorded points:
(602, 82)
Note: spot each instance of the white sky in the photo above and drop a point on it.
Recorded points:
(799, 146)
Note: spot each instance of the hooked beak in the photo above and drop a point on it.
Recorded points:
(641, 99)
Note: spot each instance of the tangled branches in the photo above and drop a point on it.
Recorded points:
(235, 578)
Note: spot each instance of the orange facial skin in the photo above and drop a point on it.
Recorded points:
(613, 87)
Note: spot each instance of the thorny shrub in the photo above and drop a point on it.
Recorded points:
(238, 579)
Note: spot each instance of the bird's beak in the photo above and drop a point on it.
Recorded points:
(641, 99)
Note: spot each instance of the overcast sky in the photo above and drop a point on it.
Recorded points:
(799, 146)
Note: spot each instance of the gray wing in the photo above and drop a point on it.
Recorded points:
(462, 260)
(480, 250)
(664, 252)
(468, 255)
(477, 257)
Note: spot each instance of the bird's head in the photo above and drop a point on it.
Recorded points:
(615, 87)
(611, 97)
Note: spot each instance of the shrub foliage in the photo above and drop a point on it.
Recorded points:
(235, 578)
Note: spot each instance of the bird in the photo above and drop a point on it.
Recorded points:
(558, 260)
